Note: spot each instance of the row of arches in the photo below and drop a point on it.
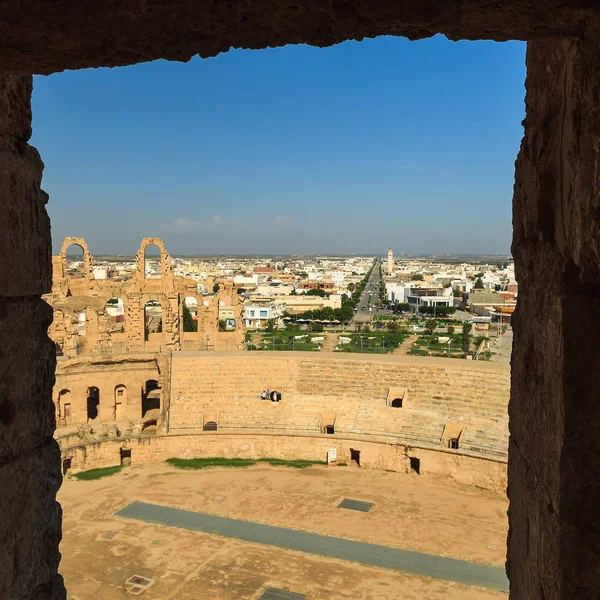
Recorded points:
(78, 262)
(66, 413)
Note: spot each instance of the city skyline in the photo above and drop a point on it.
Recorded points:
(294, 150)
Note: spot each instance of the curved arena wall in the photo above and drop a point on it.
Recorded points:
(469, 399)
(466, 469)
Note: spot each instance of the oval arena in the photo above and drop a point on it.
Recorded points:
(429, 416)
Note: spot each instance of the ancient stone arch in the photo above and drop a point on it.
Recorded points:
(87, 257)
(554, 458)
(166, 269)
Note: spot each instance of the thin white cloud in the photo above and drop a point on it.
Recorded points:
(216, 224)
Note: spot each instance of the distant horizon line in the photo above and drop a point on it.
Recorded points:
(314, 255)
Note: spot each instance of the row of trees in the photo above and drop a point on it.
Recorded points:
(343, 314)
(442, 311)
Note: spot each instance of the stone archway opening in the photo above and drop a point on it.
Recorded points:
(153, 322)
(93, 404)
(115, 310)
(152, 262)
(63, 408)
(74, 262)
(190, 314)
(151, 394)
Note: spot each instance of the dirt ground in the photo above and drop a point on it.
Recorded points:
(101, 551)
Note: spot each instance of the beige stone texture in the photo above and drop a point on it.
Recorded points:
(353, 388)
(318, 390)
(30, 518)
(470, 470)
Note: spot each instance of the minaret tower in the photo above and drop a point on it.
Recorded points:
(390, 265)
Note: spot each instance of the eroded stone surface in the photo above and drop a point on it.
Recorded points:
(30, 525)
(554, 547)
(42, 37)
(30, 518)
(26, 376)
(23, 218)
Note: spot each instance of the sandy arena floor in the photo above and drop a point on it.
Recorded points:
(101, 551)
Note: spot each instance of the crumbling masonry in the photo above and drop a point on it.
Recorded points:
(72, 296)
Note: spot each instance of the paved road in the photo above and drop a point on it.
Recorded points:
(438, 567)
(363, 315)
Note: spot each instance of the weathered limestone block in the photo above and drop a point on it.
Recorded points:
(27, 365)
(24, 223)
(30, 518)
(30, 525)
(554, 455)
(45, 37)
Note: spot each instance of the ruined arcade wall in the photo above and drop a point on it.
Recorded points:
(77, 375)
(72, 296)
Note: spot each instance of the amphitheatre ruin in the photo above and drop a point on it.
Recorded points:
(115, 384)
(553, 548)
(125, 396)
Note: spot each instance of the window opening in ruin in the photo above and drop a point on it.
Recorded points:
(115, 311)
(74, 262)
(210, 426)
(397, 403)
(66, 465)
(152, 262)
(355, 456)
(453, 443)
(150, 396)
(150, 425)
(153, 321)
(190, 314)
(120, 402)
(415, 465)
(82, 323)
(329, 429)
(93, 403)
(62, 406)
(125, 454)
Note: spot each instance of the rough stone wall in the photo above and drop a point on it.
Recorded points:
(30, 517)
(91, 34)
(105, 373)
(468, 470)
(554, 466)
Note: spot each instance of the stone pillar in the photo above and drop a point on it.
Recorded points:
(30, 517)
(554, 454)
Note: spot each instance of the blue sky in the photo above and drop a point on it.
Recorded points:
(353, 148)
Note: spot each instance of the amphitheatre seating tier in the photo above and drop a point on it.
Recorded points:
(354, 389)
